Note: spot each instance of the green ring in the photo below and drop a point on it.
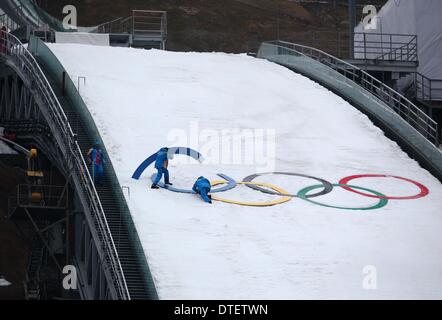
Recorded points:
(381, 203)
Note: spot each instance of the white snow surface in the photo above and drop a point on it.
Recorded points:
(296, 250)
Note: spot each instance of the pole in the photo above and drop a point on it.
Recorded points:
(277, 20)
(351, 26)
(68, 238)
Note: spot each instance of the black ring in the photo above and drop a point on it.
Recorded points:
(328, 187)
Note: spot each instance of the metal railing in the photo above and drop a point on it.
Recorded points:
(26, 65)
(148, 22)
(397, 102)
(385, 47)
(44, 196)
(119, 25)
(16, 146)
(368, 46)
(6, 21)
(332, 42)
(426, 89)
(22, 10)
(28, 14)
(142, 23)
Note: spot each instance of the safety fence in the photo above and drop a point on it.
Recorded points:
(426, 89)
(8, 23)
(332, 42)
(365, 46)
(142, 23)
(45, 196)
(149, 23)
(385, 47)
(145, 27)
(119, 25)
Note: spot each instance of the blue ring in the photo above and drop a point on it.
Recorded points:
(230, 185)
(172, 150)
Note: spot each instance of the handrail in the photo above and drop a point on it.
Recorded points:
(370, 46)
(426, 126)
(119, 25)
(140, 18)
(126, 25)
(426, 89)
(26, 64)
(373, 46)
(10, 24)
(22, 149)
(410, 53)
(101, 28)
(22, 11)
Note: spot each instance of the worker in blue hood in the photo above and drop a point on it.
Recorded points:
(202, 187)
(161, 164)
(96, 160)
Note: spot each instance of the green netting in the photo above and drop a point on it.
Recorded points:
(39, 16)
(51, 63)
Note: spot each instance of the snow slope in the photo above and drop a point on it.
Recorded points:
(142, 100)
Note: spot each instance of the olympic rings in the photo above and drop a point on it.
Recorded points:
(328, 187)
(381, 203)
(253, 204)
(423, 189)
(304, 194)
(230, 185)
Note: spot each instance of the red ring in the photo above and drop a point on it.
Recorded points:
(423, 189)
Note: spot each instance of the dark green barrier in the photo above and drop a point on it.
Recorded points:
(51, 63)
(31, 9)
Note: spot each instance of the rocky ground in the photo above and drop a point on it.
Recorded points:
(225, 25)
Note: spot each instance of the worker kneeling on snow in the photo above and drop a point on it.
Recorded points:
(202, 186)
(161, 164)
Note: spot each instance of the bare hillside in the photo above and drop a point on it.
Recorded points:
(223, 25)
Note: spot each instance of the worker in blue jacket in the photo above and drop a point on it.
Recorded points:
(202, 187)
(96, 160)
(161, 164)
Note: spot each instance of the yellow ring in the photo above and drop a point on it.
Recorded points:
(253, 204)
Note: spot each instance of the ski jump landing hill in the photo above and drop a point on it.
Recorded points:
(318, 247)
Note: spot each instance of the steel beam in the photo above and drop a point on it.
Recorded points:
(89, 267)
(19, 104)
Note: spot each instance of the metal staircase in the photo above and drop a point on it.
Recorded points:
(132, 268)
(17, 57)
(32, 282)
(143, 29)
